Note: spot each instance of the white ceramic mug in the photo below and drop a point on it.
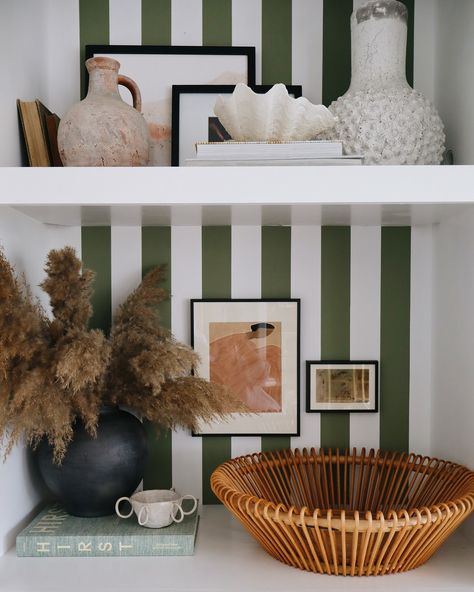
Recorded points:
(156, 508)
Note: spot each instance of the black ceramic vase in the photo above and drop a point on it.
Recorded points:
(97, 471)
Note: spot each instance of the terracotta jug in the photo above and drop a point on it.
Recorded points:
(103, 130)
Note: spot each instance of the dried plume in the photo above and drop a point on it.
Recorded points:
(52, 369)
(150, 370)
(55, 371)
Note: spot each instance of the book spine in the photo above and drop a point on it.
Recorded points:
(95, 546)
(200, 162)
(285, 150)
(241, 155)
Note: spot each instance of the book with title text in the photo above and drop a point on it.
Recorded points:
(55, 533)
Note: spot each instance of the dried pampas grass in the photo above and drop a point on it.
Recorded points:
(54, 371)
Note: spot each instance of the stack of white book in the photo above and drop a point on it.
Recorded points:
(309, 153)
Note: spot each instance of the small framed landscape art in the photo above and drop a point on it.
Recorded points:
(341, 386)
(252, 347)
(193, 118)
(156, 68)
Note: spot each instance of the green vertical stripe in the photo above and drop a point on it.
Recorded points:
(96, 256)
(217, 22)
(335, 319)
(276, 41)
(156, 22)
(216, 283)
(410, 4)
(93, 30)
(156, 250)
(216, 262)
(395, 339)
(276, 283)
(336, 48)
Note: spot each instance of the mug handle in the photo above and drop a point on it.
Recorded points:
(117, 504)
(140, 521)
(189, 496)
(178, 509)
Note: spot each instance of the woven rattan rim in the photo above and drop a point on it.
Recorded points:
(377, 512)
(464, 481)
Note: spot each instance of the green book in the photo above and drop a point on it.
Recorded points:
(54, 533)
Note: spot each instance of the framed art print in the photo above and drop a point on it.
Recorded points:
(157, 68)
(193, 118)
(252, 347)
(341, 386)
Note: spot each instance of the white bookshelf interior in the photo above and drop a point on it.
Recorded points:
(43, 208)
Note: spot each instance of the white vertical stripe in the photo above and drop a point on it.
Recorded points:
(307, 47)
(186, 22)
(421, 295)
(247, 29)
(306, 284)
(126, 262)
(125, 269)
(62, 67)
(246, 259)
(426, 42)
(246, 271)
(365, 320)
(186, 283)
(125, 22)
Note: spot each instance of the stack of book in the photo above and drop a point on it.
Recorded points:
(307, 153)
(40, 133)
(54, 533)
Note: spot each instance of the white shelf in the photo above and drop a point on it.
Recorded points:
(226, 559)
(237, 195)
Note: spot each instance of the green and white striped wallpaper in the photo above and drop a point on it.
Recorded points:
(297, 41)
(357, 287)
(356, 283)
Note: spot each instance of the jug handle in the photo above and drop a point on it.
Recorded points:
(133, 88)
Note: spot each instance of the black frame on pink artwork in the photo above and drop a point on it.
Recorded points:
(290, 318)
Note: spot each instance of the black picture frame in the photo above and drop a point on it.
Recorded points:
(347, 407)
(291, 316)
(180, 89)
(157, 92)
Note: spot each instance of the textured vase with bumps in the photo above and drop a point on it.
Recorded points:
(103, 130)
(381, 116)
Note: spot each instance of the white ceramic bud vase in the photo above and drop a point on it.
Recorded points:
(381, 116)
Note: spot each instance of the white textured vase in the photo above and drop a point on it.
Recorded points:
(381, 116)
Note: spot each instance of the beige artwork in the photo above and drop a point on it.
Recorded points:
(158, 118)
(157, 115)
(246, 357)
(342, 386)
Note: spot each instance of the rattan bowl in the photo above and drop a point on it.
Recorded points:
(347, 513)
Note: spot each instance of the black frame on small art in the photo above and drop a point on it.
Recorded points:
(225, 89)
(297, 303)
(340, 408)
